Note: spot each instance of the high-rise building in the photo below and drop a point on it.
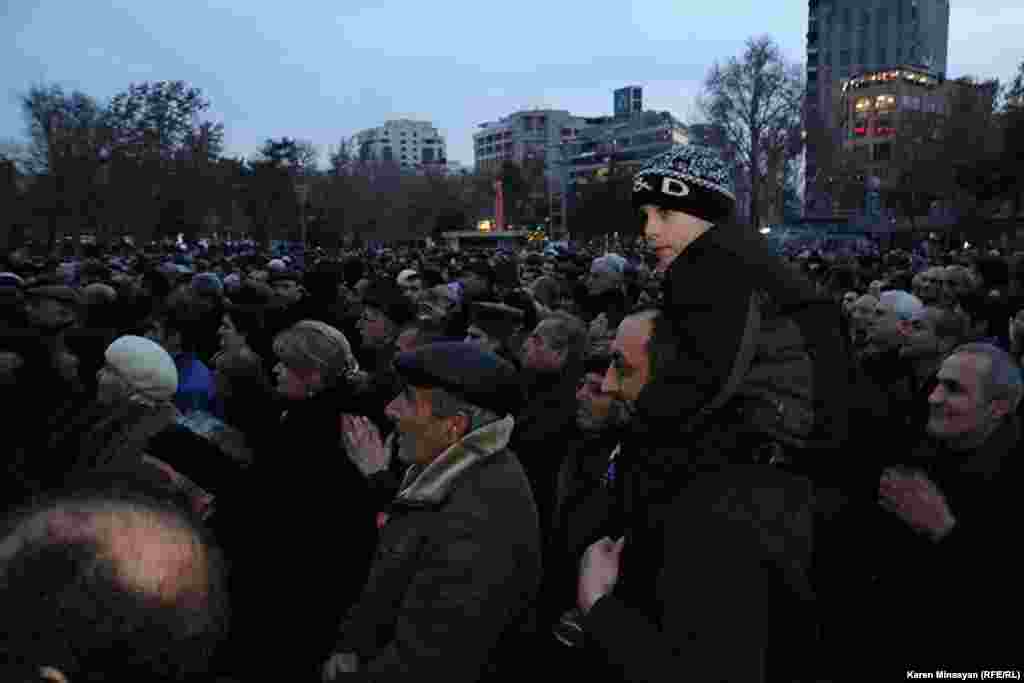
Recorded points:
(850, 37)
(629, 101)
(533, 134)
(410, 144)
(876, 106)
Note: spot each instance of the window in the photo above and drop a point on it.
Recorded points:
(844, 58)
(846, 17)
(827, 57)
(865, 18)
(863, 104)
(862, 55)
(883, 58)
(912, 102)
(883, 15)
(885, 102)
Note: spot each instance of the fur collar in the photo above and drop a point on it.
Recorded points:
(431, 484)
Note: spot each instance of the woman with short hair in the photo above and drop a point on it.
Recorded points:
(307, 495)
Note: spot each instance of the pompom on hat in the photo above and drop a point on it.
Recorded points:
(687, 178)
(145, 366)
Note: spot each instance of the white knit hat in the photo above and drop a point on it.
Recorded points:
(145, 366)
(406, 275)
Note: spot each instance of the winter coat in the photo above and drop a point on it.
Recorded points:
(544, 425)
(937, 603)
(715, 575)
(299, 534)
(456, 570)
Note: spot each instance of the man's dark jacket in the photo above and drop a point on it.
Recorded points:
(714, 579)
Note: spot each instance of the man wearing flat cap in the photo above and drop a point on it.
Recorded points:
(450, 594)
(53, 309)
(290, 303)
(495, 327)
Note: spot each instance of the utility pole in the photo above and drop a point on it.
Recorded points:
(302, 191)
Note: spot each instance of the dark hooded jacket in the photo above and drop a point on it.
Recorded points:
(715, 575)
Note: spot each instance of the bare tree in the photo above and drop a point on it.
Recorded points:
(69, 141)
(756, 99)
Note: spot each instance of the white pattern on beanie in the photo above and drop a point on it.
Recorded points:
(145, 366)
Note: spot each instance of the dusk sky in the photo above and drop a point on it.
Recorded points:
(320, 71)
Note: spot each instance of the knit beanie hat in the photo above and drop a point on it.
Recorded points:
(145, 366)
(687, 178)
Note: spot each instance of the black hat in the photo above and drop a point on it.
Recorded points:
(285, 276)
(388, 298)
(497, 320)
(687, 178)
(465, 370)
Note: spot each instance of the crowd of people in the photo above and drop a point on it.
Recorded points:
(695, 458)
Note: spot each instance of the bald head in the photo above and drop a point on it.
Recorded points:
(108, 584)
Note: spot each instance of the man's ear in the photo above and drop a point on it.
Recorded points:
(1000, 408)
(460, 424)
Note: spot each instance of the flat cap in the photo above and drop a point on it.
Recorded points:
(62, 293)
(388, 298)
(8, 279)
(465, 370)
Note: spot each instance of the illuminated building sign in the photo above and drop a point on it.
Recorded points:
(890, 75)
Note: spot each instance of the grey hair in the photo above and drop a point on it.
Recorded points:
(564, 332)
(445, 404)
(315, 345)
(904, 304)
(1003, 379)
